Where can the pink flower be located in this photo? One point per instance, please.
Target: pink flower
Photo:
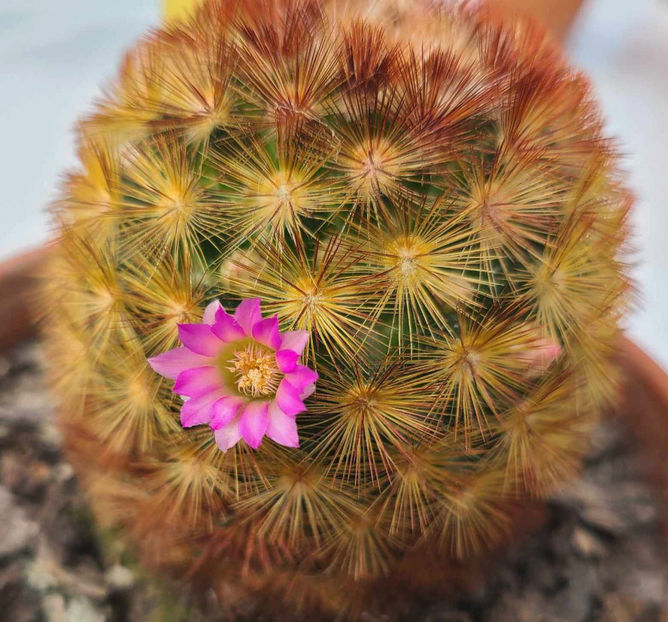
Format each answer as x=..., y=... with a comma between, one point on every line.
x=240, y=375
x=541, y=353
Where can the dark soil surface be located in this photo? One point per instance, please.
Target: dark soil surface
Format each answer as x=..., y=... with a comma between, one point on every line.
x=599, y=557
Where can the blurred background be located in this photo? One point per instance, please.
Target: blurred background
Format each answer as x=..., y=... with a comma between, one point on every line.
x=56, y=55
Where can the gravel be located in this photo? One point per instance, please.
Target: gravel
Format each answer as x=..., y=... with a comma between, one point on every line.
x=599, y=557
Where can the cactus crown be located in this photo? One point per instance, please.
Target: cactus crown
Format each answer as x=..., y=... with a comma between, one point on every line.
x=429, y=194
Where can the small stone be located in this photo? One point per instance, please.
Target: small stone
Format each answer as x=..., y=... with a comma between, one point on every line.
x=47, y=572
x=25, y=403
x=637, y=503
x=605, y=439
x=587, y=544
x=25, y=477
x=647, y=586
x=119, y=578
x=81, y=609
x=11, y=470
x=17, y=601
x=576, y=495
x=604, y=518
x=63, y=472
x=543, y=574
x=50, y=435
x=26, y=356
x=5, y=366
x=40, y=573
x=514, y=608
x=575, y=602
x=53, y=607
x=616, y=607
x=645, y=513
x=448, y=616
x=18, y=531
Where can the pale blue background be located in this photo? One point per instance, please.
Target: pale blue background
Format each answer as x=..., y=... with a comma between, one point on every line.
x=623, y=46
x=54, y=54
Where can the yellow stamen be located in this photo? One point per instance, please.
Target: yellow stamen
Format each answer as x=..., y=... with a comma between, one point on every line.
x=254, y=369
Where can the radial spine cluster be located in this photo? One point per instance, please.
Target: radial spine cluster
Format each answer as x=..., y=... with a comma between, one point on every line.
x=425, y=188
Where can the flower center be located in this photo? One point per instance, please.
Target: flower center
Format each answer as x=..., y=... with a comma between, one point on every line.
x=254, y=370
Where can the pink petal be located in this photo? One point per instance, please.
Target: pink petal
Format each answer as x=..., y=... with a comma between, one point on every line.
x=539, y=357
x=248, y=314
x=197, y=381
x=550, y=352
x=197, y=411
x=254, y=421
x=288, y=400
x=228, y=436
x=308, y=391
x=224, y=410
x=301, y=377
x=282, y=428
x=171, y=363
x=200, y=339
x=226, y=327
x=295, y=340
x=287, y=360
x=209, y=316
x=266, y=332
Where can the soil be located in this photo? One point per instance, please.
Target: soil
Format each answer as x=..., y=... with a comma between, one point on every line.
x=599, y=557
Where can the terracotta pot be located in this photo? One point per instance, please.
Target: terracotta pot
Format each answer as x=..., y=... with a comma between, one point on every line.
x=18, y=296
x=644, y=407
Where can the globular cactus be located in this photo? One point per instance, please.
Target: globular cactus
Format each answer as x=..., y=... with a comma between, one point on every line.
x=423, y=198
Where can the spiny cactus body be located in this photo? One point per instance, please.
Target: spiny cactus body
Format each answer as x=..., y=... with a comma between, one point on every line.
x=426, y=194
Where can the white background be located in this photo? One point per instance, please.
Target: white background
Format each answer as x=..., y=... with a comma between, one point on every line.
x=54, y=55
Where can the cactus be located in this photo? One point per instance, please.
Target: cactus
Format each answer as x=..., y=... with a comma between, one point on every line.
x=424, y=195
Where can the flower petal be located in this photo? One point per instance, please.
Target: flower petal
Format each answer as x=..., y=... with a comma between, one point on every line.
x=200, y=339
x=282, y=428
x=254, y=421
x=248, y=314
x=288, y=400
x=226, y=327
x=197, y=411
x=308, y=391
x=224, y=410
x=228, y=436
x=209, y=316
x=302, y=377
x=547, y=351
x=295, y=340
x=287, y=360
x=266, y=332
x=171, y=363
x=197, y=381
